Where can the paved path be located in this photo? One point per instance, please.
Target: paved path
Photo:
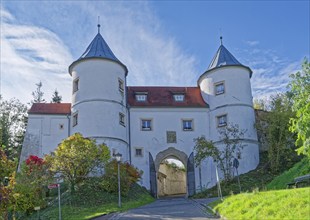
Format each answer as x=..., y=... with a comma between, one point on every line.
x=166, y=209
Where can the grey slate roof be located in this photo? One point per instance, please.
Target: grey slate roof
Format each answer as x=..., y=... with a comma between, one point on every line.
x=224, y=58
x=98, y=48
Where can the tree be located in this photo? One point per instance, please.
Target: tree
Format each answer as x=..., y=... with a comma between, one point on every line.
x=13, y=117
x=56, y=98
x=38, y=94
x=230, y=137
x=300, y=88
x=274, y=126
x=76, y=157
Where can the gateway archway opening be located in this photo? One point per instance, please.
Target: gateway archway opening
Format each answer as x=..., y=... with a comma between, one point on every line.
x=171, y=178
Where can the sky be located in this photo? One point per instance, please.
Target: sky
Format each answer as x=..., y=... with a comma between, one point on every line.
x=162, y=43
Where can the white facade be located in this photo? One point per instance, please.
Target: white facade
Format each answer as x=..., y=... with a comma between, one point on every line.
x=106, y=109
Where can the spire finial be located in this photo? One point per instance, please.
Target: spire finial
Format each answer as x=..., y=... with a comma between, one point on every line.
x=98, y=24
x=221, y=38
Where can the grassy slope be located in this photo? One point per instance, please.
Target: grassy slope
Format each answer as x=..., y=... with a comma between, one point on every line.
x=280, y=204
x=300, y=169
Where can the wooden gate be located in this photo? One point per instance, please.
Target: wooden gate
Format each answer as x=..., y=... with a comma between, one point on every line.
x=153, y=180
x=191, y=188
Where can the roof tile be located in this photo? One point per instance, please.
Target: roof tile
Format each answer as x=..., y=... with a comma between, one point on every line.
x=50, y=108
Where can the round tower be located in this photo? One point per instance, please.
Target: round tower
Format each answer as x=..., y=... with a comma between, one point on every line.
x=226, y=87
x=99, y=97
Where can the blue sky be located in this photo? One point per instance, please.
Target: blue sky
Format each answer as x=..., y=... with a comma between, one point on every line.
x=161, y=42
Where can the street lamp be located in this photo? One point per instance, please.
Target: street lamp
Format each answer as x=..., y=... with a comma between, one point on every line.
x=118, y=157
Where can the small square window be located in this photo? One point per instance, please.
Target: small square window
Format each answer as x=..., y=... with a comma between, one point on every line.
x=138, y=152
x=76, y=85
x=122, y=119
x=219, y=88
x=61, y=126
x=121, y=85
x=146, y=125
x=221, y=120
x=187, y=125
x=178, y=97
x=75, y=119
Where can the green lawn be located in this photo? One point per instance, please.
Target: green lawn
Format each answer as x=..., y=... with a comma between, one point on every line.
x=280, y=204
x=300, y=169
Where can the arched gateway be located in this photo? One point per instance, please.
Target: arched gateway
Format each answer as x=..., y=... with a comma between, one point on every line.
x=172, y=153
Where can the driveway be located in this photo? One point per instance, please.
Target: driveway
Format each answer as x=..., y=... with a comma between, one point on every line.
x=166, y=209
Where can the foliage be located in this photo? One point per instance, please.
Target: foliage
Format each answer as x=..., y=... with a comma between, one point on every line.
x=255, y=179
x=274, y=125
x=56, y=98
x=128, y=176
x=281, y=204
x=300, y=88
x=76, y=157
x=13, y=116
x=230, y=137
x=280, y=182
x=38, y=94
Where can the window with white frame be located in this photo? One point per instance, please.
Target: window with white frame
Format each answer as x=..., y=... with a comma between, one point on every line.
x=121, y=85
x=122, y=119
x=146, y=124
x=76, y=85
x=219, y=88
x=141, y=97
x=221, y=120
x=187, y=124
x=178, y=97
x=138, y=152
x=75, y=119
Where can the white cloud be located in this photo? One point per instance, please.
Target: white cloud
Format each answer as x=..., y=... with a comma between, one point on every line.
x=252, y=43
x=31, y=54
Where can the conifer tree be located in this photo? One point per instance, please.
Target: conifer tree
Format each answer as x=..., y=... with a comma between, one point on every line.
x=56, y=98
x=38, y=94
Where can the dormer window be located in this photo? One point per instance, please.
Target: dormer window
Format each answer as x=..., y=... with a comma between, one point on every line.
x=219, y=88
x=141, y=97
x=178, y=97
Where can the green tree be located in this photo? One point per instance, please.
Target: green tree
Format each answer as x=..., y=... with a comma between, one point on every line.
x=13, y=117
x=300, y=88
x=274, y=126
x=56, y=98
x=38, y=94
x=230, y=146
x=76, y=157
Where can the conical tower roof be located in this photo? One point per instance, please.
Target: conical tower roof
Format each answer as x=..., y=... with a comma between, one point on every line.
x=98, y=48
x=224, y=58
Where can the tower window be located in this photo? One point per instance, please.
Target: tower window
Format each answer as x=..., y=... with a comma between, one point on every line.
x=75, y=85
x=219, y=88
x=187, y=125
x=121, y=85
x=221, y=120
x=146, y=124
x=75, y=119
x=122, y=119
x=178, y=97
x=138, y=152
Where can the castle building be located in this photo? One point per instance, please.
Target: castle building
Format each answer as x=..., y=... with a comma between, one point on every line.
x=149, y=124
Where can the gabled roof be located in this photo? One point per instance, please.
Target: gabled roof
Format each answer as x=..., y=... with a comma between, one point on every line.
x=50, y=108
x=163, y=96
x=98, y=48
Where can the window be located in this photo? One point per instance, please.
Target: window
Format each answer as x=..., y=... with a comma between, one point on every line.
x=75, y=119
x=219, y=88
x=138, y=152
x=75, y=85
x=61, y=126
x=141, y=98
x=187, y=125
x=221, y=120
x=122, y=119
x=121, y=85
x=146, y=124
x=178, y=97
